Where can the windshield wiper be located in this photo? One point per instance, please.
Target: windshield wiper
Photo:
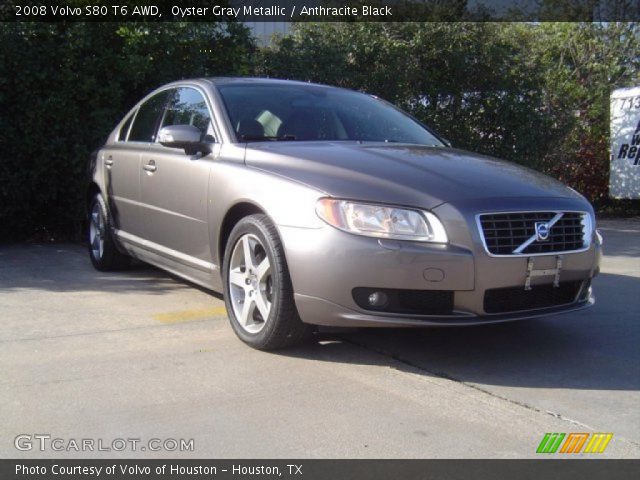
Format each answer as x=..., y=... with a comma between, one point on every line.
x=260, y=138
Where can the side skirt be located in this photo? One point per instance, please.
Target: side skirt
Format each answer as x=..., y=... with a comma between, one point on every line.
x=195, y=270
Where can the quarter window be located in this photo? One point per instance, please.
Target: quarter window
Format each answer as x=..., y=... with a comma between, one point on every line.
x=146, y=121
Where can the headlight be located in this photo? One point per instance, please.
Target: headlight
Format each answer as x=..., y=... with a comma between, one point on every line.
x=381, y=221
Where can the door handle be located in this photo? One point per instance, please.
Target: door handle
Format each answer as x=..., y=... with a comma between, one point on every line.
x=151, y=166
x=108, y=162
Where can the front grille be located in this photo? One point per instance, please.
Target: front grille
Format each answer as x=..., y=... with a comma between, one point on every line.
x=505, y=232
x=415, y=302
x=514, y=299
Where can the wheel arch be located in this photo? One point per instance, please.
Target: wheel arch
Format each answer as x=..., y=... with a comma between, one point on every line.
x=91, y=191
x=236, y=213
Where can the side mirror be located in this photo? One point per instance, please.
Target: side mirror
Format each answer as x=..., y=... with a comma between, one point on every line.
x=187, y=137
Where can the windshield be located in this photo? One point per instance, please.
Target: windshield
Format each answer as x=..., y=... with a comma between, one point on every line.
x=311, y=112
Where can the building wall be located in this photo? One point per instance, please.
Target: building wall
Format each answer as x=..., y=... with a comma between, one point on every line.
x=264, y=31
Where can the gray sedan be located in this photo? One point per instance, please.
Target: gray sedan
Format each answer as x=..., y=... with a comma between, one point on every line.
x=311, y=205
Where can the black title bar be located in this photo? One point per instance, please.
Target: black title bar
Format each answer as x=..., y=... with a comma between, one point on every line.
x=318, y=10
x=319, y=469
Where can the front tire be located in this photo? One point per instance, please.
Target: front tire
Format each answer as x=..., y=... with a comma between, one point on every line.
x=102, y=249
x=257, y=287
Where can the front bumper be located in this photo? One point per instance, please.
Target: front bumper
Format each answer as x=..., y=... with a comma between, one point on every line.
x=322, y=312
x=327, y=264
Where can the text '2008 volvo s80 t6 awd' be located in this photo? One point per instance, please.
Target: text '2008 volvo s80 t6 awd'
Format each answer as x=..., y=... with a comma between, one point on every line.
x=312, y=205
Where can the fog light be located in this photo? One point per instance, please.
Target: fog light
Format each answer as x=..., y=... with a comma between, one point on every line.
x=378, y=299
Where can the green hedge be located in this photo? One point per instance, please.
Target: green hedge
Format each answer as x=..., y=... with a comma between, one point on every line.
x=64, y=86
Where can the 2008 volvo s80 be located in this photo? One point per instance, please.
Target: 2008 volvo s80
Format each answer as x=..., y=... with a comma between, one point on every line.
x=311, y=205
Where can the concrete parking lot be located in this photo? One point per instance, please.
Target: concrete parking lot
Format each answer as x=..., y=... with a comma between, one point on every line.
x=141, y=354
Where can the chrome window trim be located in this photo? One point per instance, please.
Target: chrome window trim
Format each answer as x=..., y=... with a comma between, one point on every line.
x=525, y=255
x=129, y=116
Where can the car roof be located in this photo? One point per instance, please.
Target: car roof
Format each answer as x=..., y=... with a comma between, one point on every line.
x=258, y=81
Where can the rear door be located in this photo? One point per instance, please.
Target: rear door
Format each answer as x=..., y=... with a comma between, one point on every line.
x=174, y=185
x=122, y=162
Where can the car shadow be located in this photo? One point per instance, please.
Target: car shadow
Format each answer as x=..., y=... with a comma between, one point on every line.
x=66, y=268
x=593, y=349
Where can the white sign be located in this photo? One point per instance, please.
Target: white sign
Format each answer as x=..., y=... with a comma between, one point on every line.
x=624, y=179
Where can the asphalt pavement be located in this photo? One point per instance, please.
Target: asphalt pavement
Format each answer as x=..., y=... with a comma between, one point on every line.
x=142, y=355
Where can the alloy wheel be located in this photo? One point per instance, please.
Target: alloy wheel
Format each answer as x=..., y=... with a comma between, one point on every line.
x=96, y=231
x=250, y=283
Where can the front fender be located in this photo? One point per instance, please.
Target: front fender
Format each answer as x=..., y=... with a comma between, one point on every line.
x=286, y=202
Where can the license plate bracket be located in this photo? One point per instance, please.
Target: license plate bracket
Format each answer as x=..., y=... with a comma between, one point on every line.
x=543, y=273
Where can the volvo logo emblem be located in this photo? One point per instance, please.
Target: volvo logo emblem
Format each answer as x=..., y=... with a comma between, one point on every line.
x=542, y=231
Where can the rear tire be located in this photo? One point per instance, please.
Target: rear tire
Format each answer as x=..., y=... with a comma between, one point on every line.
x=257, y=288
x=102, y=249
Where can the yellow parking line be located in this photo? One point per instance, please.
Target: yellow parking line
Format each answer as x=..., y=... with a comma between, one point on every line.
x=189, y=315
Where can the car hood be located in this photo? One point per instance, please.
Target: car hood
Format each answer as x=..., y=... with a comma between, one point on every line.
x=413, y=175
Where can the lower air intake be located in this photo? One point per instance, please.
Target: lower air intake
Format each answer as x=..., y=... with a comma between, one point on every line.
x=515, y=299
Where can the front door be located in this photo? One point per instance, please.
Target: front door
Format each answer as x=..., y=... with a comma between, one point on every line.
x=174, y=186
